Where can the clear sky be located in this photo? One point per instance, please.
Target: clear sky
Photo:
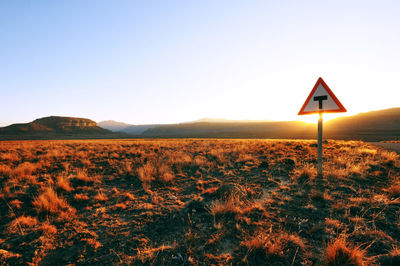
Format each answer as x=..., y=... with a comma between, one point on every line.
x=172, y=61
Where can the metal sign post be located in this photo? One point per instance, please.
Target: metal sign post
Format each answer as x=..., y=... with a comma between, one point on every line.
x=319, y=148
x=321, y=100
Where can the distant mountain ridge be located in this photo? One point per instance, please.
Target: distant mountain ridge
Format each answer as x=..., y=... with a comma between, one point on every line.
x=113, y=125
x=371, y=126
x=124, y=127
x=116, y=126
x=54, y=127
x=139, y=129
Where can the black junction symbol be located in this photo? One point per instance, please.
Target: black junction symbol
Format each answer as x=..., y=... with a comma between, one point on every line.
x=320, y=99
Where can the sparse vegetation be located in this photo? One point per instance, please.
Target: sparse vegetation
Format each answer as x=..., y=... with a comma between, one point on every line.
x=180, y=202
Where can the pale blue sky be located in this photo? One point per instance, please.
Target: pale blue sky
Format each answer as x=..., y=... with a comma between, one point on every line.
x=172, y=61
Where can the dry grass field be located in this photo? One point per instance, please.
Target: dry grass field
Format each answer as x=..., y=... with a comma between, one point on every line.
x=201, y=202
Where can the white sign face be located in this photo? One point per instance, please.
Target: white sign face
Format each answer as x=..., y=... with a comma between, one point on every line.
x=321, y=100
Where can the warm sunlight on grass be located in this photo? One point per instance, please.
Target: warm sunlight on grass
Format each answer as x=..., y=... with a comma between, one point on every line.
x=194, y=201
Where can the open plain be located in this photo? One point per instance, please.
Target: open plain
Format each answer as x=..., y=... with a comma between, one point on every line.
x=198, y=201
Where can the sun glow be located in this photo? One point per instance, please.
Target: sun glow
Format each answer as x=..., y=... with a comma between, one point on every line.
x=313, y=118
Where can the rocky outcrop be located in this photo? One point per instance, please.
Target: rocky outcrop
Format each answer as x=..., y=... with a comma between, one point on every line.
x=54, y=127
x=66, y=123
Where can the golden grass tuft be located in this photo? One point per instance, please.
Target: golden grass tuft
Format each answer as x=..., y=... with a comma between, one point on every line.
x=81, y=197
x=367, y=151
x=393, y=190
x=63, y=183
x=393, y=258
x=100, y=197
x=268, y=246
x=165, y=174
x=147, y=173
x=390, y=157
x=24, y=169
x=339, y=252
x=48, y=229
x=304, y=174
x=148, y=253
x=333, y=223
x=231, y=206
x=5, y=170
x=10, y=157
x=121, y=206
x=16, y=203
x=129, y=196
x=83, y=175
x=22, y=222
x=50, y=202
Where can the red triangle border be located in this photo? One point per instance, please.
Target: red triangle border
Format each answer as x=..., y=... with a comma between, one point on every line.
x=328, y=90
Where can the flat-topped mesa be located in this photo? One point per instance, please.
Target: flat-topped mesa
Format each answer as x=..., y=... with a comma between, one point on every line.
x=55, y=127
x=66, y=123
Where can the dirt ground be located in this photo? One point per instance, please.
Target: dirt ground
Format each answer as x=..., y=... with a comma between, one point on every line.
x=198, y=202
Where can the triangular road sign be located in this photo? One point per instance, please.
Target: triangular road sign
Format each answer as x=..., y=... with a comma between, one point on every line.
x=321, y=100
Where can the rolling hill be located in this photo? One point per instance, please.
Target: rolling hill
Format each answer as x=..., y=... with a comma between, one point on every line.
x=370, y=126
x=291, y=129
